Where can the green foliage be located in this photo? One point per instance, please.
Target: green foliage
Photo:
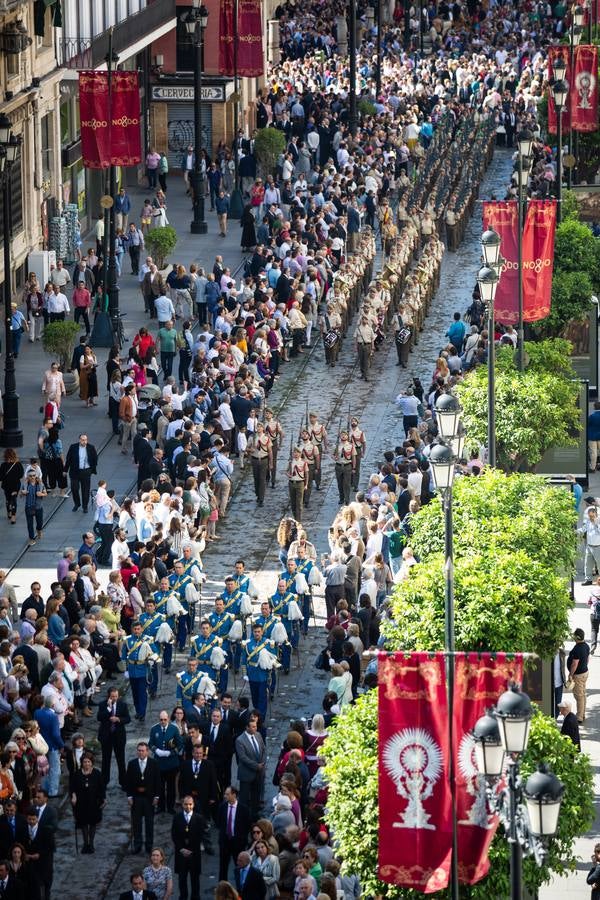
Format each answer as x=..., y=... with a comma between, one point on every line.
x=366, y=108
x=577, y=250
x=352, y=808
x=503, y=512
x=535, y=409
x=268, y=145
x=160, y=243
x=59, y=339
x=570, y=207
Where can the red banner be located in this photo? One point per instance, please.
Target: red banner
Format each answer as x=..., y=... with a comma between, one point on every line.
x=415, y=817
x=250, y=39
x=503, y=217
x=538, y=259
x=125, y=134
x=553, y=54
x=93, y=114
x=584, y=90
x=117, y=144
x=226, y=36
x=478, y=682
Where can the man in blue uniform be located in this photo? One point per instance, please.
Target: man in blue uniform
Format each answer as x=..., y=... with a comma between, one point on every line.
x=136, y=669
x=258, y=677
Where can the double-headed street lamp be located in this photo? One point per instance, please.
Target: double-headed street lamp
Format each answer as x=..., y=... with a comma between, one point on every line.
x=560, y=93
x=443, y=459
x=488, y=278
x=575, y=34
x=195, y=23
x=501, y=737
x=11, y=434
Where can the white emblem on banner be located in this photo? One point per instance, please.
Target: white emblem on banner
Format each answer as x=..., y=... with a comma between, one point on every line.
x=413, y=760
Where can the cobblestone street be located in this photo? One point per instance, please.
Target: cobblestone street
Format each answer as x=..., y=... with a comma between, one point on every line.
x=332, y=395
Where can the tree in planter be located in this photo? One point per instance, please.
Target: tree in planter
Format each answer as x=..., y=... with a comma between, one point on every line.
x=269, y=144
x=160, y=243
x=352, y=805
x=546, y=390
x=59, y=338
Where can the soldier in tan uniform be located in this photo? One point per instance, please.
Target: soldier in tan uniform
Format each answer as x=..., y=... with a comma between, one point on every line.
x=261, y=456
x=275, y=431
x=297, y=474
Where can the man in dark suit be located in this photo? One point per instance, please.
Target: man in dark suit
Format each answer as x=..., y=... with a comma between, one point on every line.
x=113, y=716
x=229, y=714
x=233, y=822
x=251, y=757
x=13, y=828
x=142, y=453
x=248, y=880
x=241, y=716
x=81, y=463
x=47, y=815
x=142, y=782
x=137, y=889
x=30, y=659
x=187, y=832
x=219, y=739
x=198, y=779
x=10, y=887
x=40, y=847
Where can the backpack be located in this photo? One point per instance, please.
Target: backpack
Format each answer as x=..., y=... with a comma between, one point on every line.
x=595, y=608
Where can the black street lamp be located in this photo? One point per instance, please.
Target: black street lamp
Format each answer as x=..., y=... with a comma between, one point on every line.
x=524, y=145
x=196, y=22
x=501, y=738
x=443, y=464
x=560, y=92
x=352, y=63
x=378, y=49
x=11, y=434
x=488, y=278
x=575, y=35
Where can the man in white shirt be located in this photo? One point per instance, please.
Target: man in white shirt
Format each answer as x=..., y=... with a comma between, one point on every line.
x=165, y=310
x=58, y=305
x=59, y=276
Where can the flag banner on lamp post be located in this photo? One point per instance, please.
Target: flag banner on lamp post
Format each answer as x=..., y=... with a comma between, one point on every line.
x=555, y=53
x=125, y=133
x=415, y=814
x=538, y=259
x=226, y=37
x=93, y=115
x=250, y=39
x=117, y=144
x=479, y=680
x=503, y=217
x=584, y=90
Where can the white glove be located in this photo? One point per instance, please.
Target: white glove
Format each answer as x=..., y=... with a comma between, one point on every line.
x=245, y=678
x=162, y=752
x=126, y=675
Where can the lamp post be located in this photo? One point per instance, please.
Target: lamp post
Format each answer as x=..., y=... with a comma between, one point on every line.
x=560, y=92
x=524, y=145
x=488, y=278
x=352, y=63
x=575, y=34
x=196, y=22
x=110, y=246
x=236, y=205
x=378, y=49
x=443, y=461
x=11, y=434
x=501, y=738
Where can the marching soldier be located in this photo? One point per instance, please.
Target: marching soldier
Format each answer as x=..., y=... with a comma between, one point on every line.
x=202, y=647
x=269, y=621
x=188, y=683
x=310, y=453
x=275, y=431
x=331, y=328
x=280, y=604
x=357, y=436
x=364, y=337
x=194, y=569
x=150, y=620
x=305, y=566
x=257, y=670
x=318, y=436
x=183, y=586
x=161, y=598
x=261, y=456
x=297, y=474
x=134, y=653
x=242, y=579
x=345, y=461
x=220, y=622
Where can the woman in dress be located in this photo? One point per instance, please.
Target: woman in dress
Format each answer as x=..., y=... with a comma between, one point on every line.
x=268, y=865
x=11, y=475
x=158, y=877
x=88, y=798
x=88, y=380
x=23, y=871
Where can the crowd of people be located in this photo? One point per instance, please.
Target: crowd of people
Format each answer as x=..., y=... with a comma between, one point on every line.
x=189, y=405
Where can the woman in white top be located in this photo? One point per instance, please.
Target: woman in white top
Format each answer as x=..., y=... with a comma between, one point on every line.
x=341, y=683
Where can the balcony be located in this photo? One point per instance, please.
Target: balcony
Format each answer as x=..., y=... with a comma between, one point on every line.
x=90, y=53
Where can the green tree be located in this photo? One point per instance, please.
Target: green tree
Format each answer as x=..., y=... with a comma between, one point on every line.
x=546, y=390
x=268, y=145
x=352, y=805
x=160, y=243
x=577, y=250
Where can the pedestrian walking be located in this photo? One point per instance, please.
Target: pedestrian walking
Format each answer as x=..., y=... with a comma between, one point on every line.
x=88, y=799
x=577, y=668
x=34, y=492
x=11, y=476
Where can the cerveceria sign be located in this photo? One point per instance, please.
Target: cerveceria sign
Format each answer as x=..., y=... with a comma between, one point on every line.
x=180, y=92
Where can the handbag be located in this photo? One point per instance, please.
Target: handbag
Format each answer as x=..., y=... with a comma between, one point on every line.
x=321, y=661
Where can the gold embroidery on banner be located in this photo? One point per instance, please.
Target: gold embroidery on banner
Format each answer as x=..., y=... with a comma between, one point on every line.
x=417, y=876
x=392, y=676
x=467, y=676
